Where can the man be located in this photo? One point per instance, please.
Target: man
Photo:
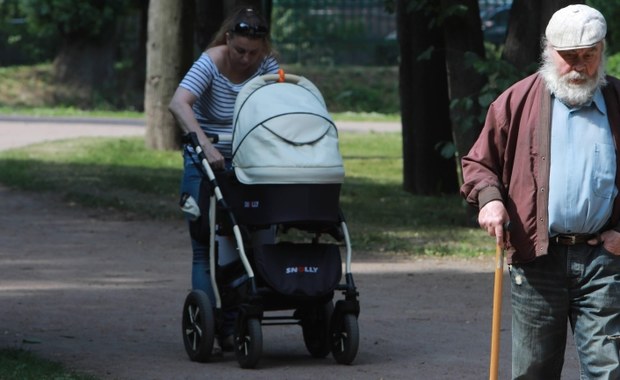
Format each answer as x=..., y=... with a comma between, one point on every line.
x=546, y=162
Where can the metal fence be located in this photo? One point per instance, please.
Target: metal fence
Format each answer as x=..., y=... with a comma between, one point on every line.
x=334, y=32
x=360, y=32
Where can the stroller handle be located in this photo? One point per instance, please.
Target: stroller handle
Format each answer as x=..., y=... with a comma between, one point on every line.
x=281, y=77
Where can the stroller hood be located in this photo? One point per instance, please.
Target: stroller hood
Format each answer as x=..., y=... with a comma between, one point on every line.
x=282, y=133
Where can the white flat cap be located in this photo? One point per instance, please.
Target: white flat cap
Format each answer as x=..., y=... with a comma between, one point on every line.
x=576, y=26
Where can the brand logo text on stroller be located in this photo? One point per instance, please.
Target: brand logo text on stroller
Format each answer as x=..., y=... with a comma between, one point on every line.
x=293, y=270
x=251, y=204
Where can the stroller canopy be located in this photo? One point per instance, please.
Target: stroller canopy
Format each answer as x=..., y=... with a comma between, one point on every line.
x=282, y=134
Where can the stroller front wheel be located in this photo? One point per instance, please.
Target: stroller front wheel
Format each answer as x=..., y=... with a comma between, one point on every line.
x=345, y=338
x=249, y=343
x=315, y=328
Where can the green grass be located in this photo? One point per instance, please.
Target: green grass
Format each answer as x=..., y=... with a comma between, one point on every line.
x=41, y=111
x=16, y=364
x=122, y=175
x=78, y=113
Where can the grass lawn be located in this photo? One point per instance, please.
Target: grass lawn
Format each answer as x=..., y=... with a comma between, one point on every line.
x=18, y=364
x=384, y=220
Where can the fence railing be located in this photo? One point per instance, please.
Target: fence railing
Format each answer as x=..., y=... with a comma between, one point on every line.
x=360, y=32
x=334, y=31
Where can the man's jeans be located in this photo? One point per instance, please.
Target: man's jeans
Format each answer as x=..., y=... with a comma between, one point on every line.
x=579, y=284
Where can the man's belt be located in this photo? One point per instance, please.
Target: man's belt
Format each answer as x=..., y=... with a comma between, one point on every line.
x=572, y=239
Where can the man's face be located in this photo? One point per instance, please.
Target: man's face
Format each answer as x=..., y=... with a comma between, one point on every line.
x=573, y=76
x=585, y=62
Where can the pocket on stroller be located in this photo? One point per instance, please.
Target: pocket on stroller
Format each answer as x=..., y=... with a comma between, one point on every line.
x=307, y=270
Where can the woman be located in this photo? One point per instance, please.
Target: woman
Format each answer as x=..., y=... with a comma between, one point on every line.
x=204, y=103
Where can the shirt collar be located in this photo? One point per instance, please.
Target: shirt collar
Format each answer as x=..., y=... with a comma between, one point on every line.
x=599, y=101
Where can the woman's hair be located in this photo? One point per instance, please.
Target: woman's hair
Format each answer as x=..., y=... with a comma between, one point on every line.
x=246, y=22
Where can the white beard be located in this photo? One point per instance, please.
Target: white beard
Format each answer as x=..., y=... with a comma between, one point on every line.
x=572, y=94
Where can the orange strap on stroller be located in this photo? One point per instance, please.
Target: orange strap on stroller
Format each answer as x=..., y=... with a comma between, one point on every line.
x=281, y=74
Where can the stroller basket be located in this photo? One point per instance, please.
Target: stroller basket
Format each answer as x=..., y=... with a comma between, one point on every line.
x=302, y=270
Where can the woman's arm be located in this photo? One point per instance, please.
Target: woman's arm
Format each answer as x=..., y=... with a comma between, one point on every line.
x=181, y=108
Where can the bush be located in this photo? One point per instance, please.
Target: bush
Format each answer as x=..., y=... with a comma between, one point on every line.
x=354, y=88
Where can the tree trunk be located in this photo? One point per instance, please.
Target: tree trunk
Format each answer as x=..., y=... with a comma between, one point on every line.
x=463, y=35
x=169, y=56
x=424, y=103
x=528, y=21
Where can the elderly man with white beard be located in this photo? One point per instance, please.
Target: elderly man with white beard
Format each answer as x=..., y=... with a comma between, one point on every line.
x=546, y=164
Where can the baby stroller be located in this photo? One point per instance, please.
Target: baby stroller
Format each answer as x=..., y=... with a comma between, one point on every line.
x=286, y=177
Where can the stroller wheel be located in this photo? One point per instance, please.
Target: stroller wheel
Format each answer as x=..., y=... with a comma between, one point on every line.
x=345, y=338
x=315, y=327
x=198, y=326
x=249, y=343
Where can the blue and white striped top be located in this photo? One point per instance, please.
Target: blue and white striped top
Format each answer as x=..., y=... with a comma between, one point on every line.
x=216, y=96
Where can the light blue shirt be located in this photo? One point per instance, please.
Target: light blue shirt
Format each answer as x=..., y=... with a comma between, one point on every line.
x=583, y=168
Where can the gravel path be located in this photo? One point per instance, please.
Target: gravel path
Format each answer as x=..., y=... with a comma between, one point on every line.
x=104, y=295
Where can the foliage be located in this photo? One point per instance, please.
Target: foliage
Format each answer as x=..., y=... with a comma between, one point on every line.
x=611, y=10
x=499, y=73
x=613, y=65
x=355, y=88
x=74, y=20
x=18, y=43
x=121, y=175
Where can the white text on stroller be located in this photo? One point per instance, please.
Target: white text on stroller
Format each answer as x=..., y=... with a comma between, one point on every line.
x=291, y=270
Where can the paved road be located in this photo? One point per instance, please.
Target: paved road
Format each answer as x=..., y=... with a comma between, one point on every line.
x=18, y=131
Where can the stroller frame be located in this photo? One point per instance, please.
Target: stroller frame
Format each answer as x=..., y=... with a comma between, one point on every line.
x=326, y=327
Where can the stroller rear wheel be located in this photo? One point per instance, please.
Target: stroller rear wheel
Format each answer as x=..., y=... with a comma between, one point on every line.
x=315, y=327
x=345, y=338
x=249, y=343
x=198, y=326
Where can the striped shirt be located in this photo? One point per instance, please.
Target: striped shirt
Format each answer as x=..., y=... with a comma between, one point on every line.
x=216, y=96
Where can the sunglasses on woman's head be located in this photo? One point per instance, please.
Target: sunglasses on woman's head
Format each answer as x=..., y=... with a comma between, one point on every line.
x=247, y=30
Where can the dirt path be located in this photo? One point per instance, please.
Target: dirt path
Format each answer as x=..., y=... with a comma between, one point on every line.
x=104, y=295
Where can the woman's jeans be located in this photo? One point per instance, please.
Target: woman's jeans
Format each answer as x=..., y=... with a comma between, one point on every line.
x=579, y=284
x=201, y=272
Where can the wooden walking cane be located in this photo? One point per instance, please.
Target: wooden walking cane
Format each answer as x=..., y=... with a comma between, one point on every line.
x=497, y=305
x=497, y=311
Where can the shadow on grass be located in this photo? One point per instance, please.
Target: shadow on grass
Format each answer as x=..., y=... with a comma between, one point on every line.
x=383, y=219
x=145, y=192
